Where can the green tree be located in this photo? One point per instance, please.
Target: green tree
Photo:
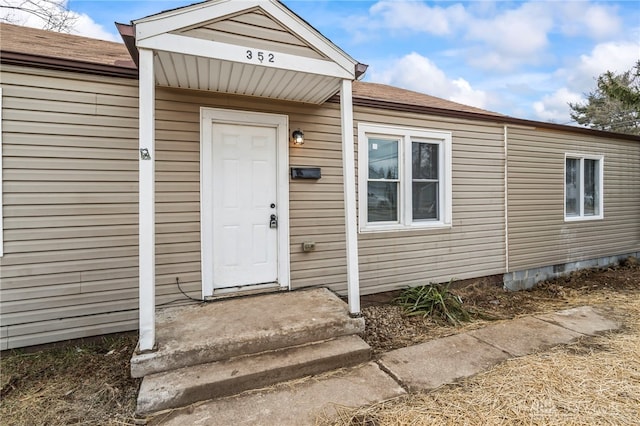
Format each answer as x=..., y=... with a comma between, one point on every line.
x=614, y=105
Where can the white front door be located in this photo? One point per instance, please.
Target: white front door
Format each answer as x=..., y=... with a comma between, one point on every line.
x=244, y=199
x=244, y=182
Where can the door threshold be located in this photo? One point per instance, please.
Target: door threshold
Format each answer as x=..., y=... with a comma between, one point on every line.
x=246, y=290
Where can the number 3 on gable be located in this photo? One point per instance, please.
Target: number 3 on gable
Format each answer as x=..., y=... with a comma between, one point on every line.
x=260, y=56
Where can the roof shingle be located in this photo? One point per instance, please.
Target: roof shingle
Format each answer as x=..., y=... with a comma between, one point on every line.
x=50, y=44
x=32, y=41
x=382, y=92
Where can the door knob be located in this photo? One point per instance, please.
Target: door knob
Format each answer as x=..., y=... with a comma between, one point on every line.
x=273, y=222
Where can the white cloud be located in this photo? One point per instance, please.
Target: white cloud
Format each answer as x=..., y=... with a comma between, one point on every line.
x=600, y=22
x=415, y=72
x=419, y=17
x=87, y=27
x=82, y=24
x=494, y=61
x=520, y=32
x=555, y=107
x=499, y=36
x=463, y=93
x=611, y=56
x=579, y=77
x=594, y=21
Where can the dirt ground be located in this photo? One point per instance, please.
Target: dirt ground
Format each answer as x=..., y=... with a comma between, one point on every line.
x=388, y=328
x=88, y=382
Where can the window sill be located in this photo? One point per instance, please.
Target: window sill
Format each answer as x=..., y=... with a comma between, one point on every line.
x=582, y=218
x=398, y=227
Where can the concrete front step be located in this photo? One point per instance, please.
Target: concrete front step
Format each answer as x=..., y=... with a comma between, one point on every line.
x=203, y=382
x=204, y=333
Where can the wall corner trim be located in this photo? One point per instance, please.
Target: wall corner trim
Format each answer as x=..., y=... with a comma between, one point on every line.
x=349, y=183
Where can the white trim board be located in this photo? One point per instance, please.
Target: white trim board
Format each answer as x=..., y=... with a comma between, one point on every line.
x=146, y=201
x=208, y=116
x=349, y=178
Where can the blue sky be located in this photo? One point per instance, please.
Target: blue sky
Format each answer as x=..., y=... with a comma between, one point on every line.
x=522, y=58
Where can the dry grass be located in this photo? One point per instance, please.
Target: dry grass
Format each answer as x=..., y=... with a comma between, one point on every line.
x=595, y=381
x=84, y=383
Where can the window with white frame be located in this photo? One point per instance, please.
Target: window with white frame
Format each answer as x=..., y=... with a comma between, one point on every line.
x=583, y=187
x=404, y=177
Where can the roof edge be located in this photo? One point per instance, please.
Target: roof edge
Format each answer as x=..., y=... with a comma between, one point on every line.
x=499, y=119
x=128, y=34
x=46, y=62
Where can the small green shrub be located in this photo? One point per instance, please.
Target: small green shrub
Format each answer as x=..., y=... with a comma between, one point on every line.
x=435, y=301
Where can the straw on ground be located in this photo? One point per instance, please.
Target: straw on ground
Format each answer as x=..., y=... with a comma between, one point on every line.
x=593, y=381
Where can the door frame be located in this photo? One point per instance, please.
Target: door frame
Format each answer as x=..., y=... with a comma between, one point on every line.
x=209, y=116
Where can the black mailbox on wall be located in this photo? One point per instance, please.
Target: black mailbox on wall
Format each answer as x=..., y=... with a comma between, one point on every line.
x=305, y=173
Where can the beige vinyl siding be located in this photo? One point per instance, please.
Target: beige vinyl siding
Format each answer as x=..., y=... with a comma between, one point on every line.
x=538, y=234
x=316, y=207
x=70, y=206
x=475, y=245
x=253, y=29
x=70, y=162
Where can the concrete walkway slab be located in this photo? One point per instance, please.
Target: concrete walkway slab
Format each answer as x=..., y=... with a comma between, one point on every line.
x=584, y=319
x=297, y=403
x=523, y=336
x=429, y=365
x=424, y=366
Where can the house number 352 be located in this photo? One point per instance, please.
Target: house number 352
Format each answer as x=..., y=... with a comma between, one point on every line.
x=261, y=56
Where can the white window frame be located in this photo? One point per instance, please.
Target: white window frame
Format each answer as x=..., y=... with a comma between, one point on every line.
x=405, y=135
x=581, y=158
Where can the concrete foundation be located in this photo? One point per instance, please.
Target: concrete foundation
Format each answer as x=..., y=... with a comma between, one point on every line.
x=526, y=279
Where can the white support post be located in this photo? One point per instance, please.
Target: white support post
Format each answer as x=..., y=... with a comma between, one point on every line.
x=349, y=177
x=146, y=197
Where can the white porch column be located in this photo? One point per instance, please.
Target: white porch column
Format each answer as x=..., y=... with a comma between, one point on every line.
x=146, y=197
x=349, y=177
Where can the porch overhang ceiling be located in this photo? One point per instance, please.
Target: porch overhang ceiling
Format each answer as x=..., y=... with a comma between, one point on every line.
x=254, y=48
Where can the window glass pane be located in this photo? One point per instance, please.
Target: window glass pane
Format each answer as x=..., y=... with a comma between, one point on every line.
x=572, y=187
x=382, y=201
x=591, y=187
x=424, y=160
x=425, y=200
x=383, y=159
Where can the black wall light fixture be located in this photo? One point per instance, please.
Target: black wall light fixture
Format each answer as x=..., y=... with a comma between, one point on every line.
x=297, y=137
